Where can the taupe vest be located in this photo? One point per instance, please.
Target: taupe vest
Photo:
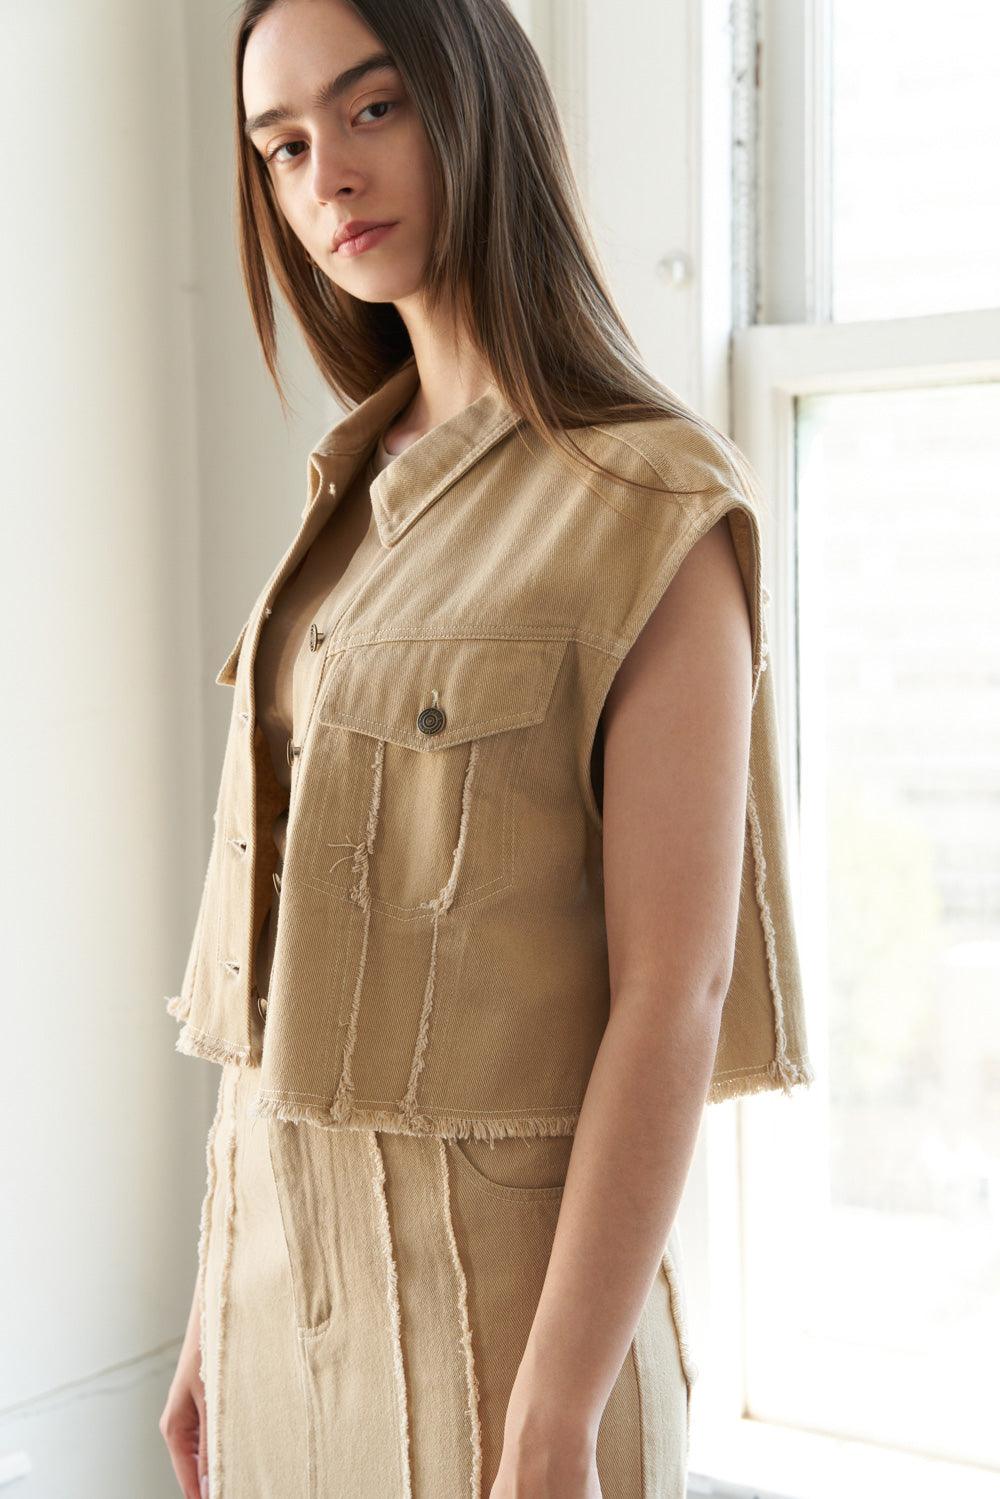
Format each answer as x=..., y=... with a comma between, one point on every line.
x=440, y=956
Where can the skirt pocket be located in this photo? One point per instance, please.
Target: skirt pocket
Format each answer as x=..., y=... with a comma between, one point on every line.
x=330, y=1187
x=514, y=1167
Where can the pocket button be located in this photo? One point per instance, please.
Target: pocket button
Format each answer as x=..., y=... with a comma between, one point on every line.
x=431, y=720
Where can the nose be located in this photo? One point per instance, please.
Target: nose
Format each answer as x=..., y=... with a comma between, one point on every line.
x=333, y=172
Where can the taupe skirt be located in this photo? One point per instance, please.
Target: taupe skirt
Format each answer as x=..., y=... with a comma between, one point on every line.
x=366, y=1299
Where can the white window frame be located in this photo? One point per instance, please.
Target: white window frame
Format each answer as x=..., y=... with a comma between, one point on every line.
x=792, y=350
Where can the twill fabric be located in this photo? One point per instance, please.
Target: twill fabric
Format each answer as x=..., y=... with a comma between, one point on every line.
x=366, y=1297
x=440, y=959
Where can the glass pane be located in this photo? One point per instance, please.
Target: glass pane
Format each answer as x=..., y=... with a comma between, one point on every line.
x=916, y=186
x=873, y=1252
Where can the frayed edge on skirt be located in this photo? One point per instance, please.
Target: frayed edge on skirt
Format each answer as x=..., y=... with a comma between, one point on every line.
x=472, y=1383
x=392, y=1288
x=678, y=1311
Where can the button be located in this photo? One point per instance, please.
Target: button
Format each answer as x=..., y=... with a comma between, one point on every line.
x=276, y=880
x=261, y=1003
x=431, y=720
x=291, y=750
x=315, y=636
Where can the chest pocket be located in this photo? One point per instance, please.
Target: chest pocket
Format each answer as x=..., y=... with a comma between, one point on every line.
x=416, y=768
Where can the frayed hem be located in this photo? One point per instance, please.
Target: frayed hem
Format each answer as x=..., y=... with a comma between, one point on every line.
x=178, y=1006
x=678, y=1310
x=195, y=1043
x=398, y=1123
x=779, y=1076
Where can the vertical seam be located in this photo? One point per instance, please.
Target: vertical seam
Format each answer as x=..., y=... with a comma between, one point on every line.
x=361, y=895
x=392, y=1279
x=472, y=1385
x=204, y=1227
x=643, y=1455
x=441, y=902
x=408, y=1102
x=781, y=1066
x=215, y=1481
x=678, y=1312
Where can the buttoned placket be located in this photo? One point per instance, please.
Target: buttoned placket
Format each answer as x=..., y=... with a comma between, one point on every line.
x=391, y=526
x=293, y=750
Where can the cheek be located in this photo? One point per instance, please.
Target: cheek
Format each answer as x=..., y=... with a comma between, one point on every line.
x=413, y=169
x=295, y=211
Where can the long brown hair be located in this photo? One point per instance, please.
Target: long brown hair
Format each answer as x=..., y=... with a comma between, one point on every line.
x=536, y=303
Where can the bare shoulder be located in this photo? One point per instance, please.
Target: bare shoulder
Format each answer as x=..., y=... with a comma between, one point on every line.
x=701, y=624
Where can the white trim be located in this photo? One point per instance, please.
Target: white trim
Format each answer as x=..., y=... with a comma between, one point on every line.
x=755, y=1460
x=774, y=365
x=795, y=144
x=745, y=275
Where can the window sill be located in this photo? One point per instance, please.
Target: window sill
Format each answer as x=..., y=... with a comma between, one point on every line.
x=754, y=1460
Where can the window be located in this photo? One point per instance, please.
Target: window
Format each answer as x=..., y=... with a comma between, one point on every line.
x=866, y=392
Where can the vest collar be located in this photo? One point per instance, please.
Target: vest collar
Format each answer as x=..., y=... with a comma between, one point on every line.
x=421, y=473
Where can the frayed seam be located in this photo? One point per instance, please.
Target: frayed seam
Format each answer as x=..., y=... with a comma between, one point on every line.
x=472, y=1384
x=678, y=1311
x=360, y=892
x=361, y=895
x=345, y=1087
x=441, y=902
x=392, y=1287
x=355, y=847
x=408, y=1103
x=760, y=889
x=205, y=1224
x=215, y=1475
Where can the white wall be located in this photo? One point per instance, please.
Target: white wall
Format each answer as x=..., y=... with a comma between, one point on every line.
x=149, y=483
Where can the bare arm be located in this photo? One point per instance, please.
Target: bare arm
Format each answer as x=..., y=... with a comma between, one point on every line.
x=182, y=1423
x=677, y=744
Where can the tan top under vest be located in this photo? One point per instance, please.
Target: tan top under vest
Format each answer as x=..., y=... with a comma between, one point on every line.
x=439, y=960
x=339, y=554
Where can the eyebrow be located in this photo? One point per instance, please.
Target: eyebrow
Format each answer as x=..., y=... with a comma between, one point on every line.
x=327, y=94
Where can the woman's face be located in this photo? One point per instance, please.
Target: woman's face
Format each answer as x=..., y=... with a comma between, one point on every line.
x=339, y=148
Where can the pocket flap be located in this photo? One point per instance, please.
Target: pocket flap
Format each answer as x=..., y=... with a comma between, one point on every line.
x=483, y=687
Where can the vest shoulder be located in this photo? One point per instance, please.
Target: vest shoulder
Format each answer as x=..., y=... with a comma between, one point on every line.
x=694, y=462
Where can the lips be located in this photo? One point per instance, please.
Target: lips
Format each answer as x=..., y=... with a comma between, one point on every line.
x=357, y=233
x=366, y=240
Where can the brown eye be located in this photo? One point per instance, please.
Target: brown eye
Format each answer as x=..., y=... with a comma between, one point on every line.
x=273, y=156
x=378, y=104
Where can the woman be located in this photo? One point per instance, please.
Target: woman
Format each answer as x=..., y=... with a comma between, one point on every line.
x=497, y=895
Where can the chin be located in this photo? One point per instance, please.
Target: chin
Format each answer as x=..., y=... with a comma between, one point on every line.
x=379, y=288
